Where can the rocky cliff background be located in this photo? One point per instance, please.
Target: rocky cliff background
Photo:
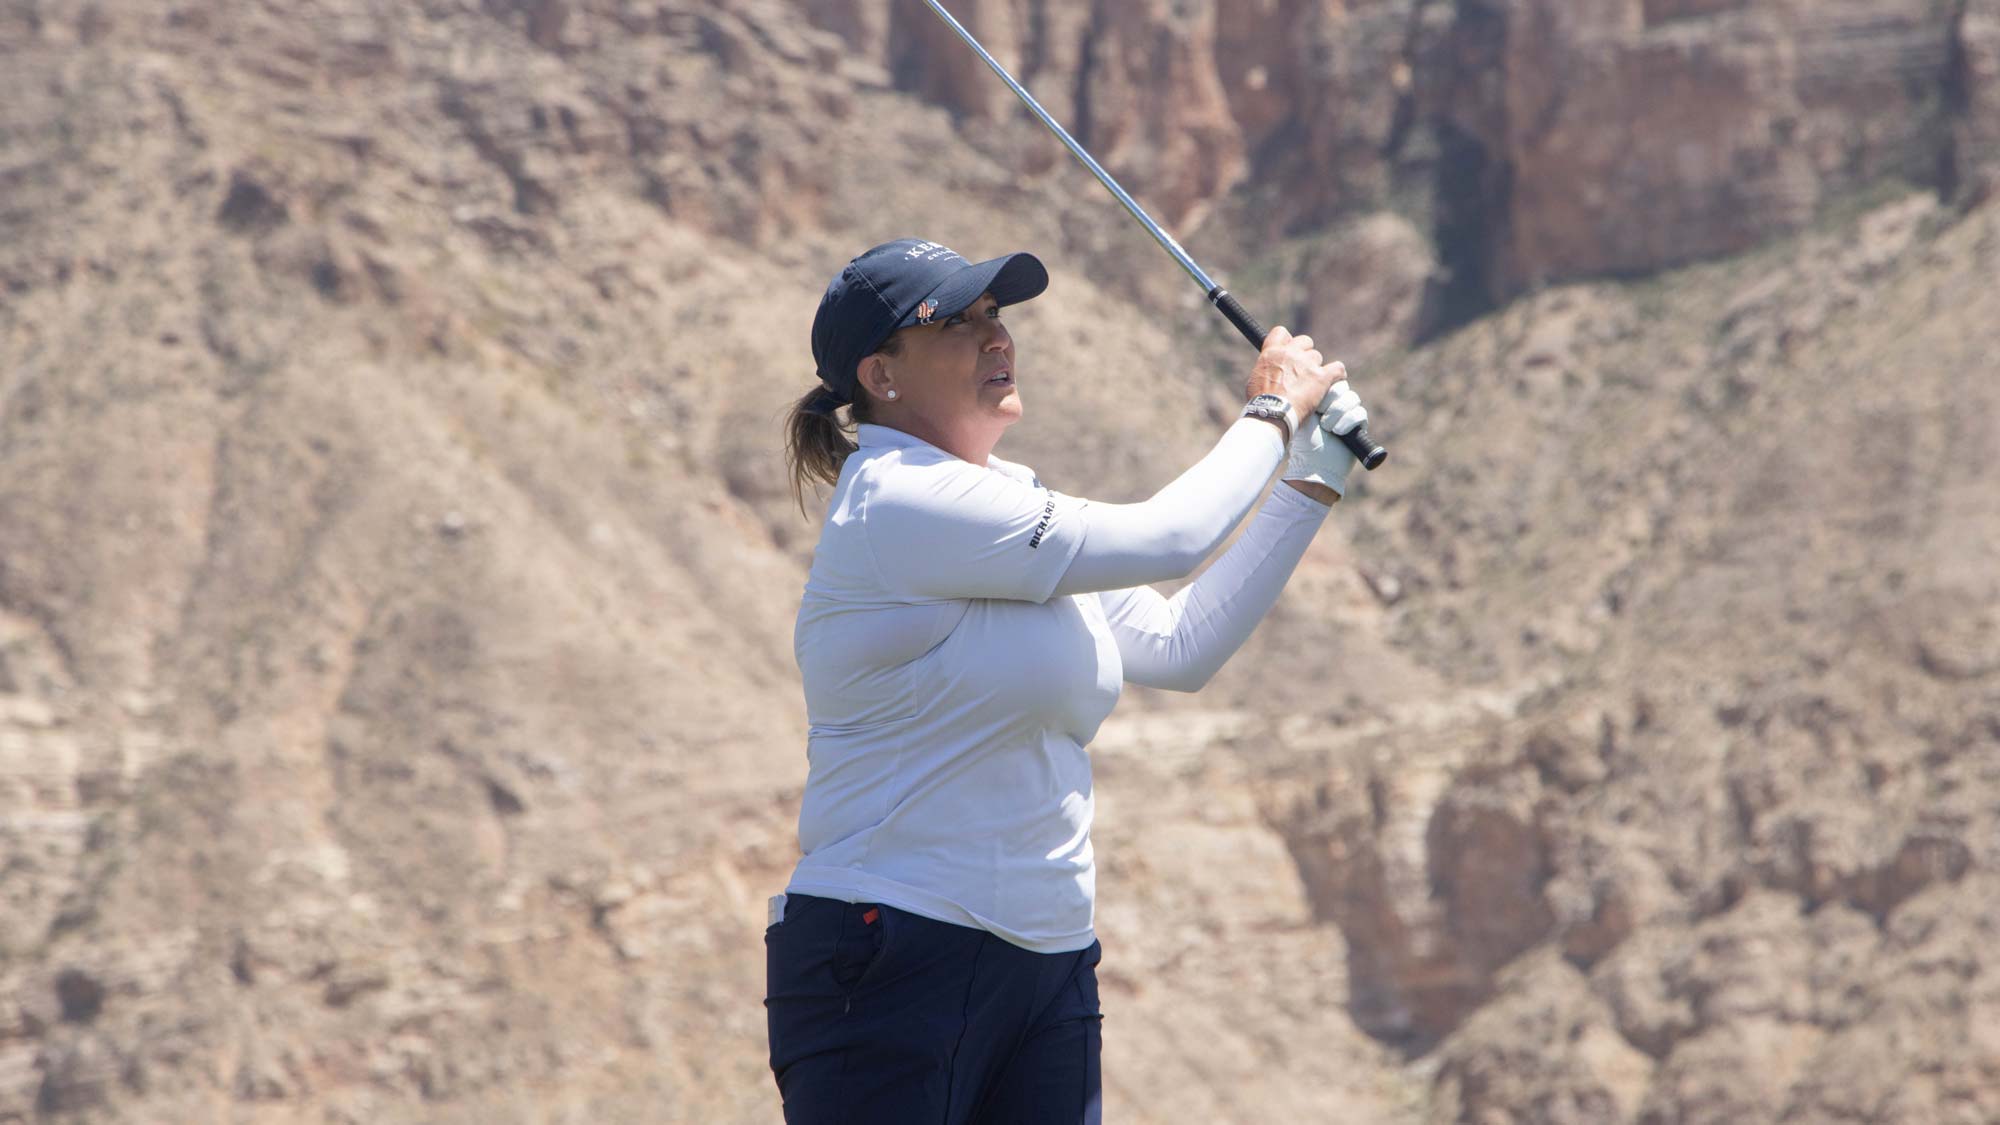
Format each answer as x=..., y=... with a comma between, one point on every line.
x=397, y=714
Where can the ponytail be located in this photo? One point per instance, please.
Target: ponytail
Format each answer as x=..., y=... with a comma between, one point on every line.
x=816, y=443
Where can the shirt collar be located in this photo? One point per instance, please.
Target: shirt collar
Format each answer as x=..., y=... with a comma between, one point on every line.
x=870, y=435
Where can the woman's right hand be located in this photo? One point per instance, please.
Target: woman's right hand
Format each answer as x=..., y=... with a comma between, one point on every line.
x=1289, y=366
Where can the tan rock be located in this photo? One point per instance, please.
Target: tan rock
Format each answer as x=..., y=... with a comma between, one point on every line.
x=1366, y=287
x=1579, y=1071
x=1690, y=169
x=1734, y=120
x=1154, y=108
x=1973, y=93
x=929, y=59
x=1738, y=1070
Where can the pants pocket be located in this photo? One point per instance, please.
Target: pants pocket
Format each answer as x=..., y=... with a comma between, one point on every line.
x=858, y=950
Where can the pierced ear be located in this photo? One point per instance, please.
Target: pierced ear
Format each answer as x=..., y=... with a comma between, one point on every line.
x=874, y=374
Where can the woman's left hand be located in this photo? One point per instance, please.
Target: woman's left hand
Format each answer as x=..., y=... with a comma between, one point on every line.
x=1318, y=462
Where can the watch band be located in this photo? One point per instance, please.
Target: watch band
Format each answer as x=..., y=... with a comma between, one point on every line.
x=1275, y=408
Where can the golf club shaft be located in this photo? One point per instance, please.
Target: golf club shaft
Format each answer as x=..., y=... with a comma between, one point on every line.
x=1357, y=439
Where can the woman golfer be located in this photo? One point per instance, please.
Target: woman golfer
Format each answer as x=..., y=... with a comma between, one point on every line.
x=964, y=631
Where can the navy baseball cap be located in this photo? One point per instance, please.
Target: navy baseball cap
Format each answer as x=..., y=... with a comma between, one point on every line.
x=901, y=283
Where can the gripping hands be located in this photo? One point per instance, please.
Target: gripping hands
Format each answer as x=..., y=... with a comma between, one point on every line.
x=1316, y=457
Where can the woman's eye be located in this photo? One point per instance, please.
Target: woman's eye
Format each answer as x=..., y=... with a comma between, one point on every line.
x=956, y=319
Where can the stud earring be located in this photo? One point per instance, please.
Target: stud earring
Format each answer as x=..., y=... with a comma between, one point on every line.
x=892, y=394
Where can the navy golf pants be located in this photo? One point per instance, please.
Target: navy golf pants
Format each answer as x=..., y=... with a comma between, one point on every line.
x=884, y=1017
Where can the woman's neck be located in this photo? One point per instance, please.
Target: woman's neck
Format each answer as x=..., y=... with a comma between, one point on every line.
x=962, y=444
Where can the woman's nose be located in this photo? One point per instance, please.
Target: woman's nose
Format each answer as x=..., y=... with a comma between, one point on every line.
x=996, y=337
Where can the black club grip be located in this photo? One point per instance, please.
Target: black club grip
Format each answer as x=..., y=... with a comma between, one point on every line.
x=1363, y=447
x=1239, y=316
x=1356, y=440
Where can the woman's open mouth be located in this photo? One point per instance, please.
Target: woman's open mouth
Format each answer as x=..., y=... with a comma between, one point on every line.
x=1001, y=378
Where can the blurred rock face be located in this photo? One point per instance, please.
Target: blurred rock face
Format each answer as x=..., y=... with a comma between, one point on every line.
x=1972, y=94
x=397, y=719
x=1546, y=140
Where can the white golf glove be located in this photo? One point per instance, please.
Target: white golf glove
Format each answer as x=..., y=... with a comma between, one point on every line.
x=1316, y=453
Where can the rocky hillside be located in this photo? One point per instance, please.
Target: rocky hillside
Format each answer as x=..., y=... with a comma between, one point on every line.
x=397, y=713
x=1527, y=142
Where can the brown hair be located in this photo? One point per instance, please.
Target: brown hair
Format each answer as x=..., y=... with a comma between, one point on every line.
x=816, y=442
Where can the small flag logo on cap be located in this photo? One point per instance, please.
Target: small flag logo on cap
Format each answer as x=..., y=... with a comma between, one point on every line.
x=926, y=311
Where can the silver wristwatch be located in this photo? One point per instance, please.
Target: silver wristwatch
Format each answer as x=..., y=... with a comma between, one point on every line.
x=1277, y=409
